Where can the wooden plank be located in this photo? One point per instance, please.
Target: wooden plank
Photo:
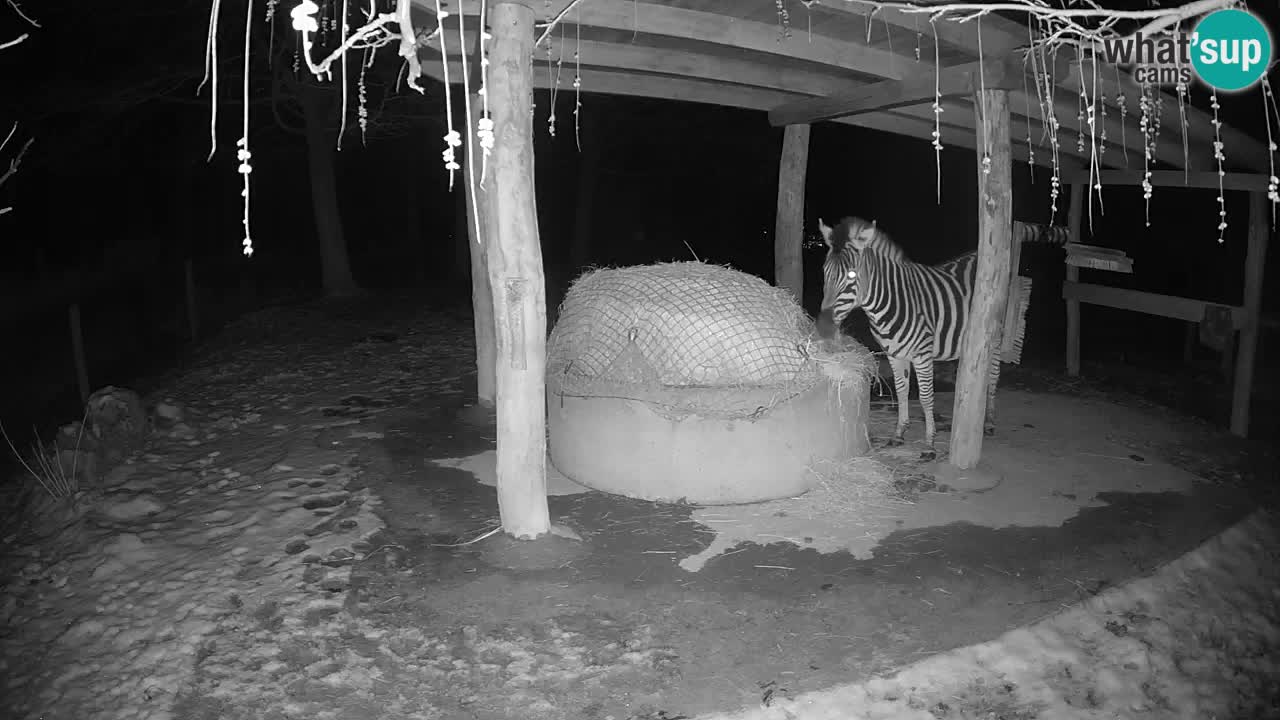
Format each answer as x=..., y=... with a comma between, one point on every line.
x=1175, y=178
x=702, y=91
x=1239, y=147
x=1074, y=217
x=1124, y=142
x=958, y=126
x=991, y=288
x=77, y=351
x=697, y=28
x=640, y=58
x=1246, y=356
x=516, y=279
x=788, y=234
x=999, y=36
x=193, y=313
x=921, y=87
x=1170, y=306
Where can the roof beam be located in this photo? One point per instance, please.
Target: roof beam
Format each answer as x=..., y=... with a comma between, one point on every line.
x=1249, y=152
x=959, y=123
x=704, y=27
x=715, y=93
x=739, y=71
x=999, y=35
x=1253, y=182
x=923, y=86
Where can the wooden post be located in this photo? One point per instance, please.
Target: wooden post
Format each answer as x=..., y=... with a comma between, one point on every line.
x=580, y=250
x=516, y=277
x=481, y=294
x=1074, y=216
x=193, y=316
x=1228, y=356
x=77, y=352
x=991, y=289
x=788, y=232
x=1254, y=263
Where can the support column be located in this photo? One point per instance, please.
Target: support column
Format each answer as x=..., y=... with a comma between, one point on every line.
x=991, y=289
x=1074, y=216
x=1254, y=263
x=516, y=278
x=477, y=238
x=788, y=233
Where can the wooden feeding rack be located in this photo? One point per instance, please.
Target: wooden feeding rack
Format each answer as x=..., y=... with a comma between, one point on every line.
x=1098, y=258
x=1244, y=319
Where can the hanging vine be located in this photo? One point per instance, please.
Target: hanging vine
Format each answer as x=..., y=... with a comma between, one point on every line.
x=1049, y=29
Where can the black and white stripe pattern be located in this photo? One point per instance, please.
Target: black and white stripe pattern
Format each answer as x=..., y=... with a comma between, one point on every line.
x=917, y=312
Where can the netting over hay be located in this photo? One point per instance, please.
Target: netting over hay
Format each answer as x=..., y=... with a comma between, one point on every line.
x=689, y=337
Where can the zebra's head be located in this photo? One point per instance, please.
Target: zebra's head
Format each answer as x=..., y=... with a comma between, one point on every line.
x=845, y=243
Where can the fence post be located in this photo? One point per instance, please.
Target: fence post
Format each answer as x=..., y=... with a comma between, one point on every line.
x=77, y=350
x=193, y=317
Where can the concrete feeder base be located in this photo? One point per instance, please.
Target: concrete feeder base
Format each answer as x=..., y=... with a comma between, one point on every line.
x=625, y=447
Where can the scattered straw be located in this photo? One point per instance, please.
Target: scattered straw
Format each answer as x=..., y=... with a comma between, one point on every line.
x=49, y=471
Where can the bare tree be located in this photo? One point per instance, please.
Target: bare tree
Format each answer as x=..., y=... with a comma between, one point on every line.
x=16, y=161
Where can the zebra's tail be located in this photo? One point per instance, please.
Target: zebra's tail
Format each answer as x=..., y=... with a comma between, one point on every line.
x=1041, y=234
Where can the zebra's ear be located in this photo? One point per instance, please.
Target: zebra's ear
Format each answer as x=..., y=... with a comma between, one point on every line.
x=825, y=229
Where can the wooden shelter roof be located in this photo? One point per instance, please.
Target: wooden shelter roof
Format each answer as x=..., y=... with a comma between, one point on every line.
x=737, y=53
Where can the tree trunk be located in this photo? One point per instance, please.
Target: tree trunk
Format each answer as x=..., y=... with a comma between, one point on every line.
x=588, y=178
x=991, y=287
x=418, y=245
x=477, y=240
x=463, y=225
x=516, y=278
x=334, y=264
x=788, y=232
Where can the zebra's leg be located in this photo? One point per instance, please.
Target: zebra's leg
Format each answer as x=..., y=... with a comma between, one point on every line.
x=923, y=365
x=993, y=377
x=902, y=384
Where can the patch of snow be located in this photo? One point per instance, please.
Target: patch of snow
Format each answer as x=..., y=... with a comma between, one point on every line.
x=1194, y=640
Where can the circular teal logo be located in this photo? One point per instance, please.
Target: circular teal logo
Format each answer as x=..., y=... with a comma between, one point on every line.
x=1231, y=49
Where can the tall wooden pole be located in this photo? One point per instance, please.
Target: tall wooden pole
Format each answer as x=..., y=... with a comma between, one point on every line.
x=1254, y=263
x=788, y=233
x=516, y=278
x=1074, y=215
x=477, y=239
x=991, y=289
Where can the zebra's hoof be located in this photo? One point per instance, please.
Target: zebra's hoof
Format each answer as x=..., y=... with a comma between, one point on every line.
x=929, y=455
x=893, y=442
x=989, y=431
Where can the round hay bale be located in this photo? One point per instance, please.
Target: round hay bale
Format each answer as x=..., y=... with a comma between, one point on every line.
x=686, y=381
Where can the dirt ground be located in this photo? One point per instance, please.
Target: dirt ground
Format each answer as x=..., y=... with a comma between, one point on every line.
x=619, y=629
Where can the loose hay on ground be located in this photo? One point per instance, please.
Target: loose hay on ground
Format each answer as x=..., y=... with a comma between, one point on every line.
x=849, y=499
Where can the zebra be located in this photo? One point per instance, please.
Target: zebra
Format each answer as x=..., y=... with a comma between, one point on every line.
x=917, y=312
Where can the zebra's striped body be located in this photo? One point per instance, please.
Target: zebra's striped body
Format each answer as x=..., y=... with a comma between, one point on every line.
x=917, y=312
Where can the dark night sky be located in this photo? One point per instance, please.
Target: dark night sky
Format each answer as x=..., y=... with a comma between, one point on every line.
x=119, y=163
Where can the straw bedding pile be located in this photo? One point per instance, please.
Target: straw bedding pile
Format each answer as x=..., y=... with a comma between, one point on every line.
x=690, y=338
